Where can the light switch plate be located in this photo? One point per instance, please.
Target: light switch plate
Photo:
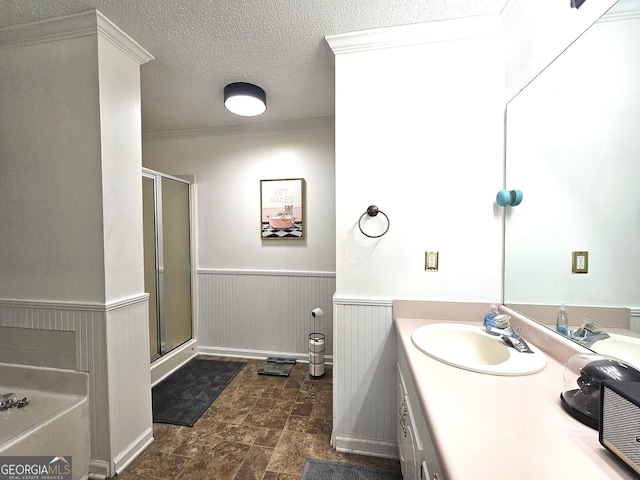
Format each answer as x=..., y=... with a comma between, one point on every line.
x=431, y=261
x=580, y=262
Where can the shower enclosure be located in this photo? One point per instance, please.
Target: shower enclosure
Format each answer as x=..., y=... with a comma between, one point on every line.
x=167, y=260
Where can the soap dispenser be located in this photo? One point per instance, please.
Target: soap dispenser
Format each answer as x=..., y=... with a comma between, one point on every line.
x=490, y=315
x=562, y=321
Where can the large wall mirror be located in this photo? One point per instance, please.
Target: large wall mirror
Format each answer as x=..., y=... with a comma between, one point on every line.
x=573, y=149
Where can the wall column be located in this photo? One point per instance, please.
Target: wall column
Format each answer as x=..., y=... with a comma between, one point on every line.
x=71, y=255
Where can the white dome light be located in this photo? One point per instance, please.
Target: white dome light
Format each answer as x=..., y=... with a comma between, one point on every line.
x=245, y=99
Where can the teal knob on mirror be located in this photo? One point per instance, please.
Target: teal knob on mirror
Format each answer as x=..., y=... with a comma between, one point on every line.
x=516, y=198
x=505, y=198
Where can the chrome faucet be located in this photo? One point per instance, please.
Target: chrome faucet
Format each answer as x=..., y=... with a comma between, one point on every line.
x=501, y=332
x=500, y=327
x=590, y=338
x=588, y=333
x=10, y=400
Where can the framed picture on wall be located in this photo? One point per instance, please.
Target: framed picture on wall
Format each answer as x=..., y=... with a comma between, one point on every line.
x=282, y=208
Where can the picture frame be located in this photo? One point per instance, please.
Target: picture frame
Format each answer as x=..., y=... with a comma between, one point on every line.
x=282, y=209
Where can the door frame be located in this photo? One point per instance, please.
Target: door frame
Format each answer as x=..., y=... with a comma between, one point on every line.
x=164, y=365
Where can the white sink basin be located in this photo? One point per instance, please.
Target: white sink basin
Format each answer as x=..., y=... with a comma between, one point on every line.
x=471, y=348
x=622, y=347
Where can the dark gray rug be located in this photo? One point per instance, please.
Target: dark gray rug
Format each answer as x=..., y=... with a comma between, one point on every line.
x=315, y=469
x=185, y=395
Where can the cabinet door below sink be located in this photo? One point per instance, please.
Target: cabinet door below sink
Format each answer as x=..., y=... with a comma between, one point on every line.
x=406, y=442
x=409, y=444
x=417, y=450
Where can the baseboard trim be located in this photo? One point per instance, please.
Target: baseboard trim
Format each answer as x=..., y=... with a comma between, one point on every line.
x=257, y=354
x=165, y=366
x=136, y=448
x=99, y=469
x=362, y=446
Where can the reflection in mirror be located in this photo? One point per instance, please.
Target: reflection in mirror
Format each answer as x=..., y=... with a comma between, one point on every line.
x=573, y=148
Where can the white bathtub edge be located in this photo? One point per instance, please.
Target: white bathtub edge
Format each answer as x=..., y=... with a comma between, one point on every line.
x=73, y=421
x=55, y=380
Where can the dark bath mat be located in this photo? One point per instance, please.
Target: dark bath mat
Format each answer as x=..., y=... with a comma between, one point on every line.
x=185, y=395
x=323, y=469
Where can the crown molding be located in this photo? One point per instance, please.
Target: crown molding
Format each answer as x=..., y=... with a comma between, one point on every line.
x=128, y=45
x=415, y=34
x=264, y=127
x=63, y=28
x=88, y=23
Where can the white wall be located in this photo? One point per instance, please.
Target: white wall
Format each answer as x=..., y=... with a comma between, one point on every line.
x=71, y=210
x=50, y=181
x=254, y=296
x=127, y=325
x=229, y=167
x=419, y=133
x=121, y=149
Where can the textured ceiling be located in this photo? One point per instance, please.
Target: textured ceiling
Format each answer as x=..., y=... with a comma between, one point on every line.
x=201, y=45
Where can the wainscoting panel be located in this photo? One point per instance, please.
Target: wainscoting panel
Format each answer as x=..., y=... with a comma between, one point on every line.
x=87, y=321
x=52, y=317
x=364, y=377
x=128, y=360
x=262, y=313
x=89, y=324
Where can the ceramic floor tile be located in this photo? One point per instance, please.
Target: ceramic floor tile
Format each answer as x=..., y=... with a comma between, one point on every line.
x=287, y=394
x=170, y=467
x=219, y=463
x=323, y=408
x=320, y=426
x=255, y=463
x=260, y=428
x=145, y=465
x=243, y=433
x=290, y=453
x=268, y=437
x=279, y=476
x=167, y=437
x=302, y=409
x=297, y=424
x=232, y=409
x=270, y=413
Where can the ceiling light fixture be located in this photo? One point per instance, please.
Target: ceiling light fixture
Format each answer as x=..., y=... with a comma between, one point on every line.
x=245, y=99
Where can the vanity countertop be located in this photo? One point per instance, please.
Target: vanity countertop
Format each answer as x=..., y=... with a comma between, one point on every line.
x=496, y=427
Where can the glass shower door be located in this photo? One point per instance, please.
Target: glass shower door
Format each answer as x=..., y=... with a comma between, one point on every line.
x=175, y=268
x=167, y=243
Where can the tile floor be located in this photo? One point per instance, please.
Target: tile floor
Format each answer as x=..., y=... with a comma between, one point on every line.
x=259, y=428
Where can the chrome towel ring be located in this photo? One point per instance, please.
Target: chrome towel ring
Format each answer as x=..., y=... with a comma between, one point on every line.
x=372, y=211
